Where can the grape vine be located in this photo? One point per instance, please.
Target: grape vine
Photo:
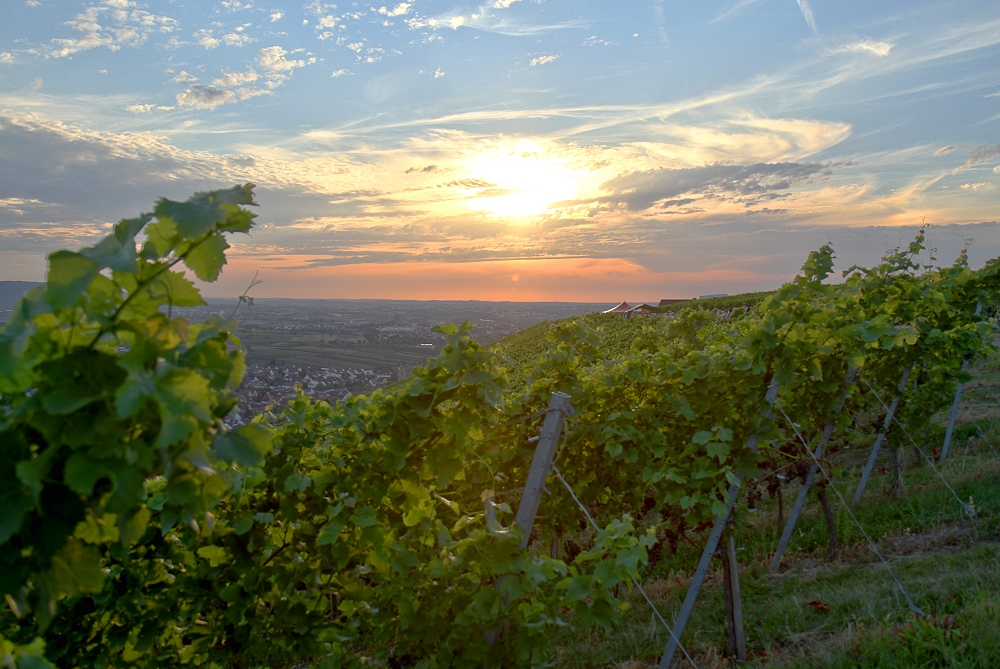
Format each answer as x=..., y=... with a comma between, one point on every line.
x=139, y=532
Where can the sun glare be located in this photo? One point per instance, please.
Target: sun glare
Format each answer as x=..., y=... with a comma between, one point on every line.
x=520, y=181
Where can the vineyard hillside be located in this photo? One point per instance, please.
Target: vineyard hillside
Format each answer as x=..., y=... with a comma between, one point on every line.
x=618, y=334
x=558, y=499
x=726, y=302
x=522, y=349
x=844, y=611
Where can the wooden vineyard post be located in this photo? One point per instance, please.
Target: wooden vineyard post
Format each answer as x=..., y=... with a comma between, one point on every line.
x=958, y=400
x=796, y=511
x=737, y=646
x=698, y=579
x=890, y=412
x=541, y=463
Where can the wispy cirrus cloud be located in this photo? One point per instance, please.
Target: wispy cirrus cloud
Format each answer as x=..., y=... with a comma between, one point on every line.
x=878, y=48
x=983, y=153
x=733, y=9
x=489, y=21
x=145, y=108
x=661, y=23
x=807, y=14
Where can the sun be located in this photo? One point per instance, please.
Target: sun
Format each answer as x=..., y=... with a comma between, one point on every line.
x=520, y=180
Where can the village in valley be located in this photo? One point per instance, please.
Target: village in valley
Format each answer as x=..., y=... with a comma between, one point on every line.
x=328, y=349
x=267, y=388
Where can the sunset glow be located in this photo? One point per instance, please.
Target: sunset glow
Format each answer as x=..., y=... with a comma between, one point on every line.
x=437, y=150
x=521, y=183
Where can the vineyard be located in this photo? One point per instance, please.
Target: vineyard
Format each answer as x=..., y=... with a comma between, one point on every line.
x=500, y=504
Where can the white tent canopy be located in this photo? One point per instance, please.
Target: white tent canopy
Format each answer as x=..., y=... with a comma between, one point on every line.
x=622, y=308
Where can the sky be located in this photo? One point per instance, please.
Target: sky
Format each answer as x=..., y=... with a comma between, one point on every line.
x=562, y=150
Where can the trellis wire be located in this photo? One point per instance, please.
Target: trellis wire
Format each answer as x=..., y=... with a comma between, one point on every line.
x=887, y=423
x=534, y=484
x=565, y=438
x=555, y=458
x=983, y=436
x=639, y=587
x=800, y=500
x=953, y=416
x=519, y=419
x=969, y=511
x=871, y=544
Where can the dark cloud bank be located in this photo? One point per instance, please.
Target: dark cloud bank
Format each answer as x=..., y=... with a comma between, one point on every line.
x=641, y=190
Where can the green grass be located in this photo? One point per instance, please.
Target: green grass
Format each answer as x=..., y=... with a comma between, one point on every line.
x=855, y=613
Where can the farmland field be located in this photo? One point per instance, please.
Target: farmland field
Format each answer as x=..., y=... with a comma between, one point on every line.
x=309, y=350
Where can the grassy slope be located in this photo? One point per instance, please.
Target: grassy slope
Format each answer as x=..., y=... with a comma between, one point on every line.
x=846, y=612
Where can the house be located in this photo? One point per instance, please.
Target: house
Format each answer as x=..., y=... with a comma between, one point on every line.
x=644, y=309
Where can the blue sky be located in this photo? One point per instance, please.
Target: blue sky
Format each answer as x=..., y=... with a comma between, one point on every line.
x=515, y=149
